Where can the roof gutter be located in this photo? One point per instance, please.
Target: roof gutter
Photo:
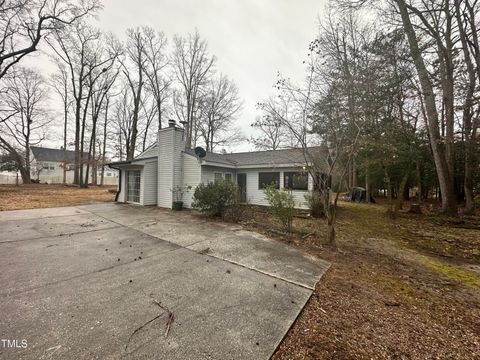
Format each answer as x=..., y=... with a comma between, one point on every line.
x=113, y=164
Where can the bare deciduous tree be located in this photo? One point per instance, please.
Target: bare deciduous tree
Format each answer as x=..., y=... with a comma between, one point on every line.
x=218, y=108
x=134, y=66
x=23, y=23
x=123, y=115
x=60, y=82
x=272, y=135
x=87, y=55
x=158, y=82
x=26, y=96
x=442, y=146
x=192, y=64
x=101, y=88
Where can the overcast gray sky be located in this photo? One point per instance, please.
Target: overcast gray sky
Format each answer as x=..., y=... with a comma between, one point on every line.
x=252, y=39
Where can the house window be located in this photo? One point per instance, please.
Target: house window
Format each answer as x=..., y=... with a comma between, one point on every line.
x=109, y=174
x=52, y=166
x=133, y=186
x=228, y=176
x=267, y=178
x=295, y=180
x=217, y=176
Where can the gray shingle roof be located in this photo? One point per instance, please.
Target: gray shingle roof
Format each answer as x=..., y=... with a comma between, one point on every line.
x=54, y=155
x=252, y=158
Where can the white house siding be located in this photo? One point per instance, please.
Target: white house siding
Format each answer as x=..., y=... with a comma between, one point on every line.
x=149, y=183
x=179, y=147
x=55, y=175
x=108, y=180
x=208, y=173
x=165, y=167
x=170, y=153
x=191, y=177
x=256, y=196
x=51, y=176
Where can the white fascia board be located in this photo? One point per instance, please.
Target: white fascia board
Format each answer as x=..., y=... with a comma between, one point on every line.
x=256, y=166
x=270, y=166
x=211, y=163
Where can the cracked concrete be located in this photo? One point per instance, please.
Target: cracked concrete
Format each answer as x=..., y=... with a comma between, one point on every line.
x=76, y=282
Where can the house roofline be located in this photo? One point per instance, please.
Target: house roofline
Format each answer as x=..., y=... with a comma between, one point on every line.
x=283, y=165
x=132, y=162
x=218, y=164
x=117, y=163
x=147, y=149
x=252, y=166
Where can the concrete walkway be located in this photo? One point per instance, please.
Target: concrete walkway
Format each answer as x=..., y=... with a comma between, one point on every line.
x=79, y=282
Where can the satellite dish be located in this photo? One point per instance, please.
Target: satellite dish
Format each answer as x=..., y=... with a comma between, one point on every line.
x=200, y=152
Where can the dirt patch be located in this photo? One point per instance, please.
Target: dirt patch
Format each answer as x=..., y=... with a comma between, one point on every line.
x=397, y=289
x=34, y=196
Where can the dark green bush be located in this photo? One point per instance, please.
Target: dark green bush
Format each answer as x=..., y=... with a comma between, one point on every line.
x=215, y=198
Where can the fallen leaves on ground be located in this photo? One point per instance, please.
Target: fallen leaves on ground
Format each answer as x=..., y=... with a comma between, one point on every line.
x=397, y=289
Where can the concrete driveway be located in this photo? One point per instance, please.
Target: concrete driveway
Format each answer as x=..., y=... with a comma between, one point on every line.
x=109, y=281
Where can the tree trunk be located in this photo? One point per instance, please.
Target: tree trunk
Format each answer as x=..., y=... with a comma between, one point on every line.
x=331, y=233
x=367, y=185
x=468, y=180
x=65, y=114
x=354, y=173
x=91, y=149
x=25, y=175
x=419, y=182
x=401, y=189
x=137, y=96
x=77, y=165
x=390, y=205
x=350, y=177
x=104, y=142
x=469, y=132
x=27, y=179
x=82, y=139
x=159, y=109
x=445, y=179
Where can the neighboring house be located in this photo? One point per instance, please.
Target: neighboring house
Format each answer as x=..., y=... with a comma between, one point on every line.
x=47, y=166
x=149, y=178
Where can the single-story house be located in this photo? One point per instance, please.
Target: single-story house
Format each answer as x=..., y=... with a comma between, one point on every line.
x=47, y=164
x=150, y=177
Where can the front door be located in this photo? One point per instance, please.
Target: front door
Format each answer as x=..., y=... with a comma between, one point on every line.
x=133, y=186
x=242, y=185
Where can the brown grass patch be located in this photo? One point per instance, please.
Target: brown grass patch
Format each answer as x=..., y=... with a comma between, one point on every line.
x=34, y=196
